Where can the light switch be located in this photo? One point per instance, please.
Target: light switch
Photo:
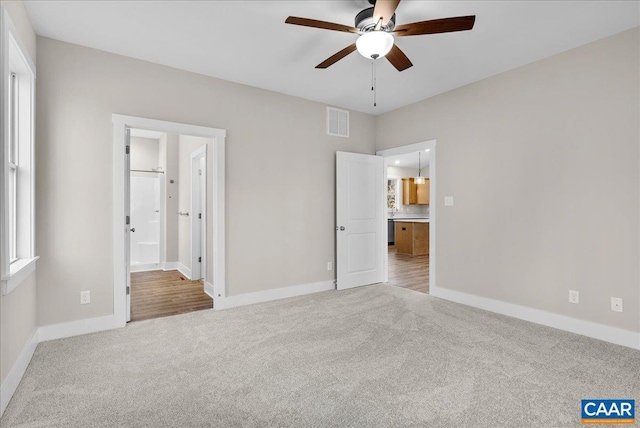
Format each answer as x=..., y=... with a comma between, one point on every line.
x=448, y=201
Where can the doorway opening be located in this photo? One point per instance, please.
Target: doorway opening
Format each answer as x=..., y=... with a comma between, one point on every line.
x=168, y=224
x=410, y=215
x=168, y=218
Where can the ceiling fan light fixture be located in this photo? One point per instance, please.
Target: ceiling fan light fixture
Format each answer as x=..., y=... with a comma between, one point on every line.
x=374, y=44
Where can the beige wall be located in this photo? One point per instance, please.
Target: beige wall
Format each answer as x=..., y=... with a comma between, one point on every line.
x=145, y=153
x=21, y=20
x=543, y=163
x=169, y=163
x=168, y=145
x=280, y=221
x=18, y=315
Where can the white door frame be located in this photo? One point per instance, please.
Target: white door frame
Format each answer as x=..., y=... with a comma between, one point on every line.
x=120, y=230
x=198, y=206
x=412, y=148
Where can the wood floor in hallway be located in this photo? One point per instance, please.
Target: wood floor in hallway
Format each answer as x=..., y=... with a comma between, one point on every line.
x=409, y=271
x=157, y=294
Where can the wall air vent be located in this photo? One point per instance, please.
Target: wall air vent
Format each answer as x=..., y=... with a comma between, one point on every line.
x=337, y=122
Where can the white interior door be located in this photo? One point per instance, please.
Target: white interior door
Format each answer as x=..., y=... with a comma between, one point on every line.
x=360, y=223
x=198, y=171
x=127, y=211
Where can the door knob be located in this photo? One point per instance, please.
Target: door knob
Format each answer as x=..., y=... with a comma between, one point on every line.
x=341, y=227
x=133, y=229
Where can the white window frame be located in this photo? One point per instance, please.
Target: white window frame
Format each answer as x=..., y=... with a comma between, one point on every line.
x=17, y=122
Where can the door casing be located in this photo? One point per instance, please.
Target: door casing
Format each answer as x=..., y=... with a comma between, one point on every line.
x=120, y=229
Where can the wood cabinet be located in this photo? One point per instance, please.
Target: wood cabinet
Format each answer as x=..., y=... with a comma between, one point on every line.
x=415, y=194
x=412, y=238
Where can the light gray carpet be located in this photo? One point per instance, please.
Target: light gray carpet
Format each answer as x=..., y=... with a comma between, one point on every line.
x=368, y=357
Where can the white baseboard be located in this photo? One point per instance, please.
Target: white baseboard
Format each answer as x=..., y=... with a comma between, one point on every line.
x=170, y=266
x=208, y=288
x=146, y=268
x=14, y=377
x=177, y=266
x=273, y=294
x=602, y=332
x=76, y=328
x=184, y=270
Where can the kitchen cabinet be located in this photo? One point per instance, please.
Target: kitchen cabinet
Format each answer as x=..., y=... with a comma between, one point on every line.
x=412, y=238
x=415, y=194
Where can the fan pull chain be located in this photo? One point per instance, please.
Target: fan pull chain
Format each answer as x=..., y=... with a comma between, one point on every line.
x=372, y=70
x=374, y=84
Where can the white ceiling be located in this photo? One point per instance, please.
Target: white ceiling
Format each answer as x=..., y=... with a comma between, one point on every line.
x=409, y=160
x=248, y=41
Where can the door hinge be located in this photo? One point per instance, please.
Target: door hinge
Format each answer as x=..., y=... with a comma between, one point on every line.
x=126, y=220
x=200, y=215
x=128, y=290
x=199, y=259
x=199, y=172
x=127, y=150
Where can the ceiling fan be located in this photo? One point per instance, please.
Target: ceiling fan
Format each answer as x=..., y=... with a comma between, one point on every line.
x=376, y=27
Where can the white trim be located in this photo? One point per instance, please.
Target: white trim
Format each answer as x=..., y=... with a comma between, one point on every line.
x=170, y=266
x=167, y=266
x=19, y=271
x=147, y=267
x=184, y=270
x=120, y=124
x=10, y=40
x=14, y=377
x=412, y=148
x=602, y=332
x=77, y=328
x=272, y=294
x=208, y=288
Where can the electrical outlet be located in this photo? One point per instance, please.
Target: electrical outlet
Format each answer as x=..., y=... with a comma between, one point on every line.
x=574, y=296
x=616, y=304
x=329, y=265
x=448, y=201
x=85, y=297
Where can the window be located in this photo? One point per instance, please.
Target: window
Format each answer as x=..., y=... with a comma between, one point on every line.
x=392, y=194
x=13, y=165
x=17, y=180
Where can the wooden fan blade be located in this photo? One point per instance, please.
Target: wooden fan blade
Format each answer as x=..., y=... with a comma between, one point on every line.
x=306, y=22
x=337, y=57
x=434, y=26
x=384, y=9
x=398, y=59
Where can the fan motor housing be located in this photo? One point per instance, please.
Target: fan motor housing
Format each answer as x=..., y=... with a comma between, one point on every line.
x=364, y=21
